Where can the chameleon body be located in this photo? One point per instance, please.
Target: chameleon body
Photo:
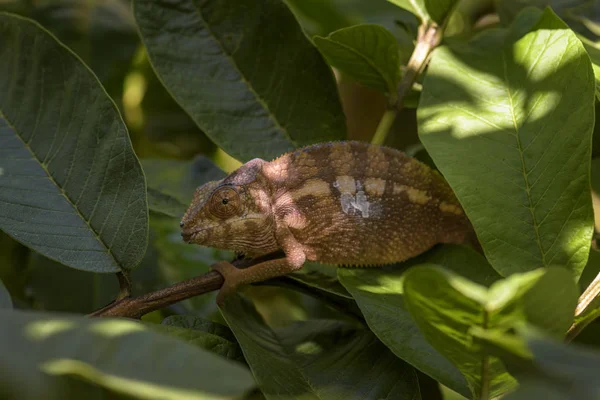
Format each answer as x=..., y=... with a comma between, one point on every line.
x=344, y=203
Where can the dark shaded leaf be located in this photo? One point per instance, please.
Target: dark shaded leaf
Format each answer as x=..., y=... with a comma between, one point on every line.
x=233, y=66
x=5, y=300
x=369, y=54
x=436, y=10
x=318, y=359
x=49, y=356
x=89, y=207
x=198, y=331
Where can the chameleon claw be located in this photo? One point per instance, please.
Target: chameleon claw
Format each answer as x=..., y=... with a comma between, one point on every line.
x=230, y=275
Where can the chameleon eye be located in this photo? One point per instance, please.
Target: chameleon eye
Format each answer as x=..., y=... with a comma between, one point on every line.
x=225, y=203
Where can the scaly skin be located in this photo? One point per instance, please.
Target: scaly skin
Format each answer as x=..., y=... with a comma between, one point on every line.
x=344, y=203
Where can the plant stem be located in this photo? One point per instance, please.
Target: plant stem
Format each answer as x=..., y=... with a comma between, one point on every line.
x=586, y=299
x=429, y=36
x=384, y=126
x=485, y=366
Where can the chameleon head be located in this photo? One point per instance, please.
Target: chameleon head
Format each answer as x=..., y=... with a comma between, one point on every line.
x=232, y=214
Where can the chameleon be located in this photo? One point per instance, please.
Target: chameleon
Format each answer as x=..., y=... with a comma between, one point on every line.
x=344, y=203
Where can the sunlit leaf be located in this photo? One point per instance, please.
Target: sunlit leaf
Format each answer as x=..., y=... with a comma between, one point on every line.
x=508, y=121
x=71, y=186
x=448, y=307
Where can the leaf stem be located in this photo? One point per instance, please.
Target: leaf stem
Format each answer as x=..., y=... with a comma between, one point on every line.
x=586, y=299
x=124, y=284
x=387, y=120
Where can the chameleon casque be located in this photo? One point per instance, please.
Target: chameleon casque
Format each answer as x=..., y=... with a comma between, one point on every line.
x=343, y=203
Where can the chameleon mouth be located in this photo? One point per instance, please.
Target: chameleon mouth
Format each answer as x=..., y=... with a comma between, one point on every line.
x=194, y=236
x=188, y=236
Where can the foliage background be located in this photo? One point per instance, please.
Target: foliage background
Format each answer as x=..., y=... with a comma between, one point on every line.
x=297, y=345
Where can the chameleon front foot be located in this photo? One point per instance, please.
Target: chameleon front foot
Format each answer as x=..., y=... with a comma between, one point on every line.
x=231, y=275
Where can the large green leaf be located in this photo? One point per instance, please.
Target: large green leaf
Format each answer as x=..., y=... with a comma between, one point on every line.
x=244, y=71
x=436, y=10
x=49, y=356
x=509, y=125
x=380, y=296
x=318, y=359
x=5, y=300
x=368, y=54
x=71, y=186
x=103, y=33
x=448, y=307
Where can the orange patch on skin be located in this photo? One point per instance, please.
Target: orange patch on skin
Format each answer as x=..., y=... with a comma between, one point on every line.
x=375, y=186
x=341, y=158
x=414, y=195
x=377, y=165
x=314, y=187
x=345, y=184
x=450, y=208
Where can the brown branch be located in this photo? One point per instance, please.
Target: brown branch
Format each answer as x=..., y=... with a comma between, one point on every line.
x=136, y=307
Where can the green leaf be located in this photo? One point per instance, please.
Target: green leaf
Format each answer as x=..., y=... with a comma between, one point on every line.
x=436, y=10
x=71, y=186
x=52, y=356
x=233, y=65
x=512, y=121
x=448, y=307
x=380, y=296
x=200, y=332
x=318, y=359
x=102, y=33
x=547, y=369
x=581, y=15
x=171, y=183
x=5, y=300
x=368, y=54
